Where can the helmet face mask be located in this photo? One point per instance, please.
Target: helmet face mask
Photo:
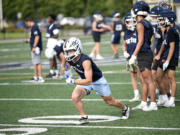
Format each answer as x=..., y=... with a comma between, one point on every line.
x=154, y=19
x=72, y=48
x=130, y=24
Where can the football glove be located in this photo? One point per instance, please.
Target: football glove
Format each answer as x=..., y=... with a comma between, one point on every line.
x=69, y=80
x=132, y=60
x=165, y=65
x=126, y=54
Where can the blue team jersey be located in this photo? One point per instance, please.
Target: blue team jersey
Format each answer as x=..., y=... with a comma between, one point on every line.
x=98, y=26
x=78, y=67
x=131, y=39
x=50, y=30
x=148, y=33
x=59, y=49
x=158, y=38
x=118, y=25
x=35, y=32
x=171, y=36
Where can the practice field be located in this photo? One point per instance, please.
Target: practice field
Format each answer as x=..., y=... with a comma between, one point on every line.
x=46, y=109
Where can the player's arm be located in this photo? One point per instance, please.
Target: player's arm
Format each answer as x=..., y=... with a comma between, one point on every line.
x=124, y=48
x=94, y=27
x=171, y=51
x=87, y=72
x=106, y=27
x=55, y=33
x=36, y=40
x=62, y=62
x=140, y=31
x=158, y=56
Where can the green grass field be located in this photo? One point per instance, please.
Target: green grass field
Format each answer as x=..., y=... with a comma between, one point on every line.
x=19, y=100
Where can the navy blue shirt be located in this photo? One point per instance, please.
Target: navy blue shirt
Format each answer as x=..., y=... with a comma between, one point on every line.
x=50, y=30
x=148, y=32
x=171, y=36
x=131, y=39
x=78, y=67
x=118, y=25
x=35, y=32
x=158, y=38
x=59, y=49
x=98, y=26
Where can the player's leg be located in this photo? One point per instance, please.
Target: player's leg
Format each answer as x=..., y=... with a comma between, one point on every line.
x=39, y=67
x=35, y=70
x=77, y=95
x=172, y=80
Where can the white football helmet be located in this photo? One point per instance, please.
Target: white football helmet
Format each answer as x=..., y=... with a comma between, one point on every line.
x=50, y=53
x=72, y=43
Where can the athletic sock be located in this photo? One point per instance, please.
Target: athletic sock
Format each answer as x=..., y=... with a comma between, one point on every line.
x=136, y=92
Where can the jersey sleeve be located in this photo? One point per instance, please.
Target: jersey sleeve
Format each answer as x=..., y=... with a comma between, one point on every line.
x=36, y=31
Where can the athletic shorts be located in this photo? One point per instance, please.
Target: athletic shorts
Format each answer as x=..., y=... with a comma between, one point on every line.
x=36, y=58
x=145, y=60
x=155, y=65
x=115, y=39
x=100, y=86
x=172, y=64
x=131, y=68
x=97, y=36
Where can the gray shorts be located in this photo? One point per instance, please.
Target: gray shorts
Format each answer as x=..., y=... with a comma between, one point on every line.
x=36, y=58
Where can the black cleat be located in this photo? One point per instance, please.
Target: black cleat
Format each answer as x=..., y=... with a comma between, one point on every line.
x=50, y=75
x=125, y=113
x=84, y=120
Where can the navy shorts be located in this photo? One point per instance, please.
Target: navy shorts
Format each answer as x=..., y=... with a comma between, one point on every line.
x=115, y=39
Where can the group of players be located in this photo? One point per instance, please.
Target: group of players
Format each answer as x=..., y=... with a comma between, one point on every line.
x=137, y=50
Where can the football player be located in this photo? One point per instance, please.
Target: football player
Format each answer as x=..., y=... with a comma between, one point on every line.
x=168, y=56
x=36, y=48
x=58, y=52
x=91, y=78
x=97, y=28
x=144, y=55
x=129, y=45
x=117, y=27
x=52, y=35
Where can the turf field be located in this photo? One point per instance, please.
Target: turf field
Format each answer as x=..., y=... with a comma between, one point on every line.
x=52, y=101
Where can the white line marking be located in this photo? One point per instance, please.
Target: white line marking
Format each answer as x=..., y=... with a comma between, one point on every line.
x=56, y=100
x=36, y=83
x=100, y=127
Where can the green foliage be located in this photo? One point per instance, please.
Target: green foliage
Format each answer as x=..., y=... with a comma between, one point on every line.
x=75, y=8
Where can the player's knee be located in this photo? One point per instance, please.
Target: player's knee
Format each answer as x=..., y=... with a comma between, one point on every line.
x=75, y=98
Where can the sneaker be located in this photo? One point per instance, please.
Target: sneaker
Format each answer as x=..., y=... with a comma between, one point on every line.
x=84, y=120
x=41, y=80
x=55, y=76
x=160, y=101
x=116, y=56
x=34, y=79
x=99, y=57
x=140, y=106
x=136, y=98
x=50, y=75
x=151, y=107
x=125, y=113
x=169, y=104
x=92, y=55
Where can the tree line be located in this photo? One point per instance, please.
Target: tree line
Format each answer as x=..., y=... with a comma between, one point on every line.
x=75, y=8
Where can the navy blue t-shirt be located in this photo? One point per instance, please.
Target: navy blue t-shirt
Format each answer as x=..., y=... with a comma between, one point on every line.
x=50, y=30
x=158, y=38
x=118, y=26
x=131, y=39
x=148, y=32
x=171, y=36
x=35, y=32
x=59, y=49
x=98, y=26
x=78, y=67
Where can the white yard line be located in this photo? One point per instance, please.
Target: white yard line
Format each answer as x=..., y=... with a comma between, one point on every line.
x=57, y=100
x=98, y=127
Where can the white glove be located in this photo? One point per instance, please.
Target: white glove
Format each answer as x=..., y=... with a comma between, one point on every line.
x=132, y=60
x=126, y=54
x=69, y=80
x=165, y=65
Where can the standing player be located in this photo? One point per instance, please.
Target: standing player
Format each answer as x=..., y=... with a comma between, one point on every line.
x=36, y=48
x=169, y=54
x=91, y=78
x=144, y=55
x=58, y=52
x=129, y=45
x=52, y=35
x=116, y=37
x=97, y=28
